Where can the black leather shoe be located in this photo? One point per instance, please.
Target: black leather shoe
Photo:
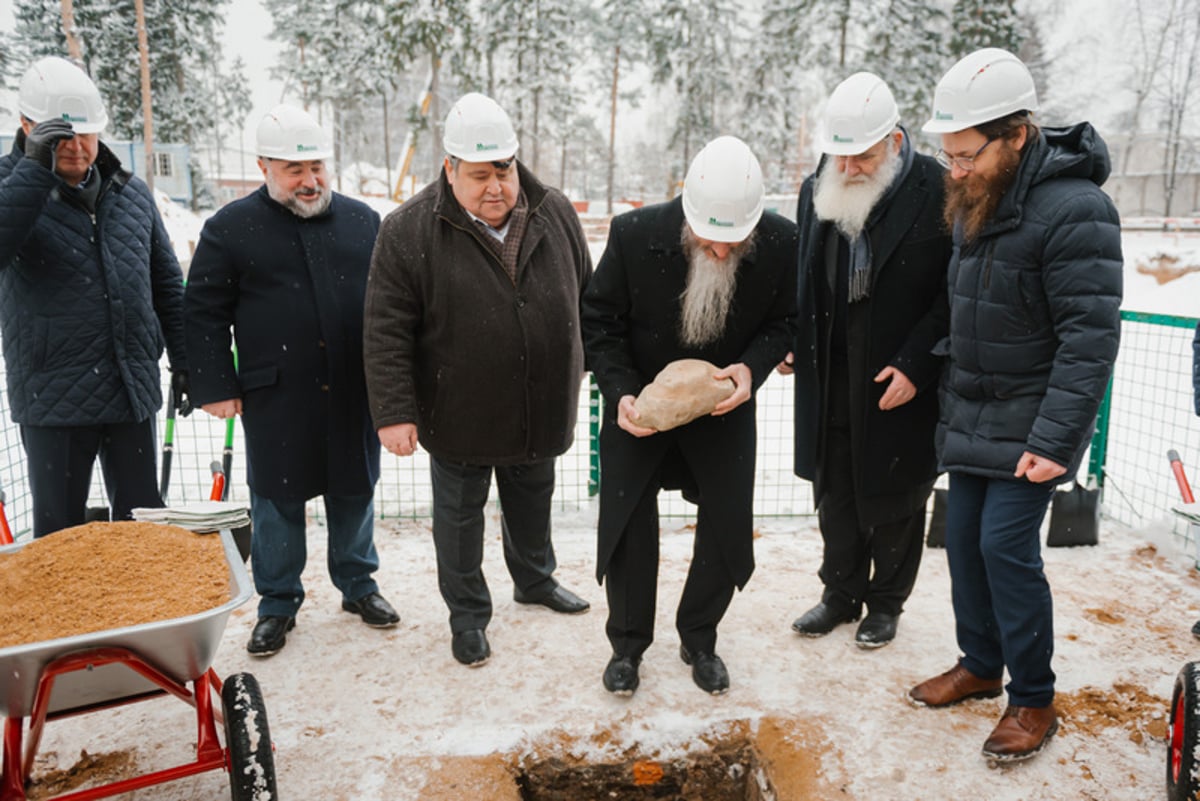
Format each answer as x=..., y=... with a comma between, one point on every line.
x=1196, y=629
x=621, y=675
x=560, y=599
x=822, y=619
x=708, y=671
x=269, y=635
x=471, y=647
x=373, y=610
x=876, y=630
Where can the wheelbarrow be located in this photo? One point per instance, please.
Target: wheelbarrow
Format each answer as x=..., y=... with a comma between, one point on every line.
x=56, y=679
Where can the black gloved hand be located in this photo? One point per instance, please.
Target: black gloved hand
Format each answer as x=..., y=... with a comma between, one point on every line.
x=179, y=388
x=42, y=141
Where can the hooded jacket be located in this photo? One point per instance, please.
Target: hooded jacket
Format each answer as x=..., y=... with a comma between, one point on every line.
x=87, y=300
x=1034, y=314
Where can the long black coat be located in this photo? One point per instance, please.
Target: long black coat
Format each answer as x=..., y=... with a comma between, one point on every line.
x=630, y=325
x=1034, y=314
x=898, y=324
x=292, y=289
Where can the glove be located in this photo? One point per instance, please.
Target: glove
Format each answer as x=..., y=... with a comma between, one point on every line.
x=42, y=141
x=179, y=388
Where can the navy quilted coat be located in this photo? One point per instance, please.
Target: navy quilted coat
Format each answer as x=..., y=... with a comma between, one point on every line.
x=1034, y=314
x=86, y=303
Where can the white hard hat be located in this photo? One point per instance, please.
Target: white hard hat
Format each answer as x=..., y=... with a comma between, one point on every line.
x=291, y=134
x=55, y=89
x=477, y=129
x=860, y=112
x=723, y=191
x=983, y=86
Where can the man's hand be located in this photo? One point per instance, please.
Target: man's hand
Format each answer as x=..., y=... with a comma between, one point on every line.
x=1038, y=469
x=223, y=409
x=899, y=392
x=179, y=389
x=785, y=367
x=400, y=439
x=42, y=142
x=627, y=415
x=742, y=383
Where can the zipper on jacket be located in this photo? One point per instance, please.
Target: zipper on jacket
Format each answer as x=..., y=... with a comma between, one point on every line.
x=987, y=265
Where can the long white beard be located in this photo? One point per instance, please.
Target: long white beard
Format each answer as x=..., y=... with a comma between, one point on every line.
x=302, y=204
x=708, y=296
x=847, y=202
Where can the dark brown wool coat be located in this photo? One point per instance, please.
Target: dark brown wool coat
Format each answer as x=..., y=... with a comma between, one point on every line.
x=488, y=370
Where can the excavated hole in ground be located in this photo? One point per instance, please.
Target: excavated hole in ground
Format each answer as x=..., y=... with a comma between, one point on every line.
x=726, y=770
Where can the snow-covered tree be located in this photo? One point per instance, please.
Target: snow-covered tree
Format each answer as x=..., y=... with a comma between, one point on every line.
x=421, y=35
x=697, y=45
x=984, y=23
x=622, y=32
x=908, y=52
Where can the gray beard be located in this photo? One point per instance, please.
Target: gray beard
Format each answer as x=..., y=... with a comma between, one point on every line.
x=707, y=298
x=301, y=207
x=848, y=205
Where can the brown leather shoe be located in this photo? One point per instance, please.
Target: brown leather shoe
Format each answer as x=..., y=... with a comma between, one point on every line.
x=1022, y=732
x=954, y=686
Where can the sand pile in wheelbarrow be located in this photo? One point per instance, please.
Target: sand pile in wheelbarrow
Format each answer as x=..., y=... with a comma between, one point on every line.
x=106, y=576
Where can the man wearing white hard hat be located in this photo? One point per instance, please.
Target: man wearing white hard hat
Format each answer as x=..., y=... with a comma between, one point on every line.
x=872, y=305
x=707, y=276
x=1035, y=293
x=285, y=270
x=473, y=352
x=89, y=291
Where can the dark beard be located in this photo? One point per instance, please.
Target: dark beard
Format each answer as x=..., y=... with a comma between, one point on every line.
x=972, y=201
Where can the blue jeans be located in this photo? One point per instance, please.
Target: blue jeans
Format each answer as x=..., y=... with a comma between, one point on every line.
x=278, y=550
x=1002, y=607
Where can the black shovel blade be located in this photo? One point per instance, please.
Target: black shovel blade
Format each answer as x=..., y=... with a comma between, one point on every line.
x=1074, y=517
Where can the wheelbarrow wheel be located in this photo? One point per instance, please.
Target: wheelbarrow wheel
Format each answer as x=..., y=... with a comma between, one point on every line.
x=251, y=756
x=1182, y=783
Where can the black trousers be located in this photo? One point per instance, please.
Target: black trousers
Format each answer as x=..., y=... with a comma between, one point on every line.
x=872, y=565
x=60, y=460
x=631, y=584
x=459, y=494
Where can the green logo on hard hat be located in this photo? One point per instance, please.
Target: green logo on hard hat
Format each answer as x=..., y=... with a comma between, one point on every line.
x=943, y=115
x=720, y=223
x=846, y=139
x=304, y=148
x=67, y=116
x=480, y=146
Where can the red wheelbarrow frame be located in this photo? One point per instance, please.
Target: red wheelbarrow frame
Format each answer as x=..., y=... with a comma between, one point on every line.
x=210, y=754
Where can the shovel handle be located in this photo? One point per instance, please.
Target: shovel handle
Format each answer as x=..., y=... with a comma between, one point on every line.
x=218, y=485
x=1185, y=489
x=6, y=537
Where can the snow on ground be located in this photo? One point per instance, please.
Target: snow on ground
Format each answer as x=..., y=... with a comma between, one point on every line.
x=362, y=714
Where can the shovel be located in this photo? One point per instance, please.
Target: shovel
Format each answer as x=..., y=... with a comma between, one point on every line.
x=1074, y=517
x=168, y=445
x=1185, y=489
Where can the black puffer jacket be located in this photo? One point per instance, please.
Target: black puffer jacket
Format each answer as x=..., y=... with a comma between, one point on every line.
x=86, y=303
x=1035, y=314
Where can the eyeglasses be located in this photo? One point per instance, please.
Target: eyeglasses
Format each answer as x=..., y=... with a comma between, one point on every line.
x=964, y=163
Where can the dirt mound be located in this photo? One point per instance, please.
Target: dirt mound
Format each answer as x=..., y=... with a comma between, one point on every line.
x=1126, y=706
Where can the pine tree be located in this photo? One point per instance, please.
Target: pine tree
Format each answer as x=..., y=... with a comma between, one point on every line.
x=908, y=53
x=622, y=32
x=420, y=36
x=984, y=23
x=697, y=46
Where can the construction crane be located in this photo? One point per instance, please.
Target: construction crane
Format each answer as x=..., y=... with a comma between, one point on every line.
x=410, y=141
